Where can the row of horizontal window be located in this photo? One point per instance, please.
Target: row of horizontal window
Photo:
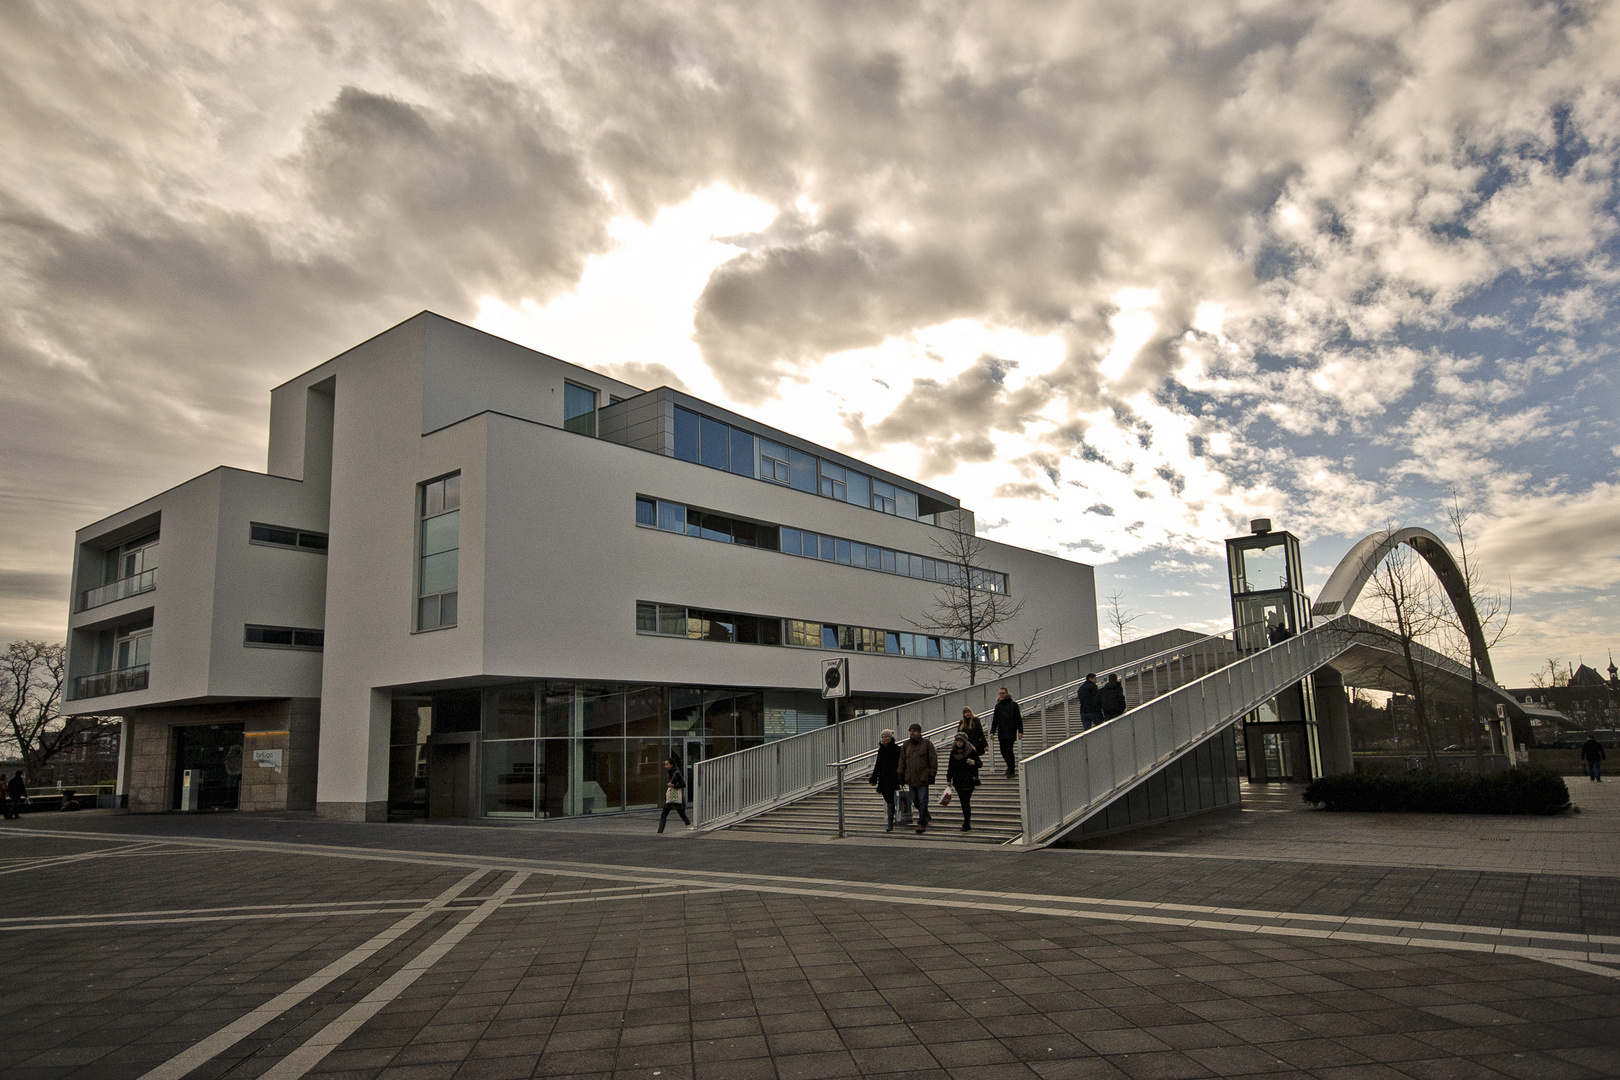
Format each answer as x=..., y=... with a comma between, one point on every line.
x=679, y=518
x=669, y=620
x=718, y=445
x=283, y=637
x=280, y=536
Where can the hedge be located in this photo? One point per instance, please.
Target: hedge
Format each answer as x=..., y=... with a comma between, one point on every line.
x=1527, y=789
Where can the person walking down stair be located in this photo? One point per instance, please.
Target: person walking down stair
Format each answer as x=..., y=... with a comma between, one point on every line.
x=962, y=773
x=674, y=792
x=1112, y=698
x=886, y=774
x=1007, y=725
x=918, y=768
x=974, y=729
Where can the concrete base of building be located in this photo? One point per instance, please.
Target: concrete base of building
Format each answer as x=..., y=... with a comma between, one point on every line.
x=353, y=811
x=280, y=739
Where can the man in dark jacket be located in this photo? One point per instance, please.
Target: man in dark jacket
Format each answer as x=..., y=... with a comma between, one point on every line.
x=1592, y=753
x=918, y=767
x=1090, y=696
x=17, y=792
x=1007, y=725
x=1112, y=698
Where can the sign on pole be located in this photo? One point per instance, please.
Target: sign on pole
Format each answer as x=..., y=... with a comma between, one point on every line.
x=835, y=678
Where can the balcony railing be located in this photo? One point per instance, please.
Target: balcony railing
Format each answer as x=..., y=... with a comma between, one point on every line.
x=103, y=683
x=133, y=585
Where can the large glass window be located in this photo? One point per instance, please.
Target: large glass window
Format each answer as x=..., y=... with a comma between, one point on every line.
x=686, y=434
x=802, y=471
x=742, y=452
x=579, y=409
x=714, y=444
x=439, y=560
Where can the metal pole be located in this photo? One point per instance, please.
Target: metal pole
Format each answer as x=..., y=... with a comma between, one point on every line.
x=840, y=781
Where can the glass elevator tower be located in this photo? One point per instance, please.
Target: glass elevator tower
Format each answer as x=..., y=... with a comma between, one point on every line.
x=1269, y=606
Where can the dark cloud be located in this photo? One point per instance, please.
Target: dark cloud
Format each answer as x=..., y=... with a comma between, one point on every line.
x=34, y=585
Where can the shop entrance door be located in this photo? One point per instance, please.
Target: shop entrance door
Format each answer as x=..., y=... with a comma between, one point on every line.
x=449, y=781
x=213, y=751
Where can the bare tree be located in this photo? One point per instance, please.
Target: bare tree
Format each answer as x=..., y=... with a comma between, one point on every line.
x=1549, y=676
x=1119, y=616
x=33, y=675
x=1492, y=611
x=970, y=605
x=1409, y=611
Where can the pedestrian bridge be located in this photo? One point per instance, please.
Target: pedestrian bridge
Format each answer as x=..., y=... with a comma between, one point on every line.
x=1172, y=753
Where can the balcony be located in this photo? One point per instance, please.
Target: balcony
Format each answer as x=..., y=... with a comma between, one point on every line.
x=133, y=585
x=102, y=683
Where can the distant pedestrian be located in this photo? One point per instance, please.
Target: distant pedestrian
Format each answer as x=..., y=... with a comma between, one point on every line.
x=674, y=792
x=918, y=768
x=1007, y=725
x=886, y=774
x=974, y=729
x=962, y=773
x=17, y=793
x=1112, y=698
x=1591, y=753
x=1090, y=695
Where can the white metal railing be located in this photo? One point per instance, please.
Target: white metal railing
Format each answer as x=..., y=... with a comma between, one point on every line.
x=133, y=585
x=1066, y=783
x=738, y=786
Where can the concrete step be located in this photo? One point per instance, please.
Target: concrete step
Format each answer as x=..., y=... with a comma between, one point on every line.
x=997, y=816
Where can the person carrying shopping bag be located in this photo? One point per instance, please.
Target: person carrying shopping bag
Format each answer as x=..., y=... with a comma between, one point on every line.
x=674, y=792
x=886, y=773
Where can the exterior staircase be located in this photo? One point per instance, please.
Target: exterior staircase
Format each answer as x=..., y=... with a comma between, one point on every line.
x=996, y=815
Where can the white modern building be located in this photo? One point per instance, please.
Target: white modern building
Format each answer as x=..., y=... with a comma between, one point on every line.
x=477, y=580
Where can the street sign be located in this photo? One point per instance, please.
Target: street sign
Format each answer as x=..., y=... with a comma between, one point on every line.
x=835, y=678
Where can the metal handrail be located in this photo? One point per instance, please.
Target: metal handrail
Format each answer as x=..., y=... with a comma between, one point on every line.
x=134, y=585
x=1064, y=784
x=737, y=786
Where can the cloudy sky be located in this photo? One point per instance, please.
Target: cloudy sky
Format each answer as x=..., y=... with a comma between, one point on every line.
x=1120, y=275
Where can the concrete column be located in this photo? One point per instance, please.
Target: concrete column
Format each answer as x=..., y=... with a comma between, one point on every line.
x=1333, y=722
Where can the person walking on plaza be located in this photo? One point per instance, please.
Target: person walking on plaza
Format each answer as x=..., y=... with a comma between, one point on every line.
x=674, y=792
x=17, y=793
x=962, y=773
x=919, y=765
x=886, y=774
x=1112, y=698
x=974, y=730
x=1090, y=696
x=1591, y=753
x=1007, y=725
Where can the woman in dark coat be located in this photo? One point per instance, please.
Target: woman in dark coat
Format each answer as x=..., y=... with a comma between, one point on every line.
x=974, y=729
x=674, y=792
x=886, y=773
x=962, y=773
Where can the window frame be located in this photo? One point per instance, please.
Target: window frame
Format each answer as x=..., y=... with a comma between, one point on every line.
x=596, y=408
x=293, y=632
x=438, y=597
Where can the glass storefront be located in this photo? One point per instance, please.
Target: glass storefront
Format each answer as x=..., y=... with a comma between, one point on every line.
x=560, y=749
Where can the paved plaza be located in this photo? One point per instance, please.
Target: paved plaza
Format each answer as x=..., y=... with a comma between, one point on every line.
x=280, y=946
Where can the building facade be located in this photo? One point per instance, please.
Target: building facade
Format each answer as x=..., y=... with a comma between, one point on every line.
x=478, y=580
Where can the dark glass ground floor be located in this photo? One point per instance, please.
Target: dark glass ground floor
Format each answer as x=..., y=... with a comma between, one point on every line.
x=559, y=749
